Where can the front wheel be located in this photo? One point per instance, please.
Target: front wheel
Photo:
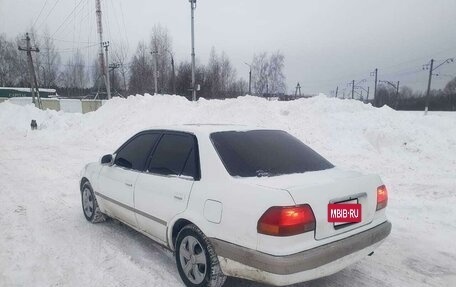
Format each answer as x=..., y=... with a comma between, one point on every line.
x=90, y=205
x=196, y=260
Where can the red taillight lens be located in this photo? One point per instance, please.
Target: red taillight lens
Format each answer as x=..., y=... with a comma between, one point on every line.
x=382, y=197
x=287, y=221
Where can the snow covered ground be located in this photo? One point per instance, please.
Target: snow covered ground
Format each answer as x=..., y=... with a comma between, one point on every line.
x=46, y=241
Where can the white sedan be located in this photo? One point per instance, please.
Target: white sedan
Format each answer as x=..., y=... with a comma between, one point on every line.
x=236, y=201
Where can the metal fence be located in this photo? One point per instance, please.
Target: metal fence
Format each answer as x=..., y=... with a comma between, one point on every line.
x=65, y=105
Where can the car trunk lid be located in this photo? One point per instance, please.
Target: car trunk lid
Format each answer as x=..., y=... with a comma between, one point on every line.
x=320, y=188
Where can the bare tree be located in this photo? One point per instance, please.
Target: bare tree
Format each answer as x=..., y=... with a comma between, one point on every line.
x=50, y=62
x=267, y=74
x=141, y=71
x=161, y=44
x=450, y=87
x=406, y=92
x=184, y=78
x=74, y=74
x=9, y=63
x=276, y=77
x=238, y=88
x=227, y=75
x=96, y=76
x=212, y=85
x=121, y=57
x=220, y=76
x=260, y=71
x=450, y=92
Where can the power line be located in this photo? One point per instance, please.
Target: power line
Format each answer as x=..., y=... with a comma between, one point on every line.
x=77, y=48
x=419, y=58
x=89, y=34
x=406, y=72
x=49, y=13
x=119, y=28
x=82, y=19
x=398, y=74
x=66, y=19
x=61, y=40
x=39, y=14
x=125, y=27
x=106, y=18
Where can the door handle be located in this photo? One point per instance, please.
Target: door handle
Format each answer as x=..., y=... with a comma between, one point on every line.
x=178, y=196
x=129, y=184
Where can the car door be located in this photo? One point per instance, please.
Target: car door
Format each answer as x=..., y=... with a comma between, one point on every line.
x=117, y=181
x=163, y=190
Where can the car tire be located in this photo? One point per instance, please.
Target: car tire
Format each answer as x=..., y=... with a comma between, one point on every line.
x=90, y=206
x=196, y=259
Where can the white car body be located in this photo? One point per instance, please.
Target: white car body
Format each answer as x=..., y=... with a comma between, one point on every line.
x=227, y=209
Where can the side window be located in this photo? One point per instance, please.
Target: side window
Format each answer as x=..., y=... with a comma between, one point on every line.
x=174, y=155
x=134, y=154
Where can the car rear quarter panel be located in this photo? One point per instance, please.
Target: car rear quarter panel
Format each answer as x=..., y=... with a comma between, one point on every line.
x=242, y=204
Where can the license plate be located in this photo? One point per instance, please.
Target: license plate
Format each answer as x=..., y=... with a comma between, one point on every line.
x=344, y=212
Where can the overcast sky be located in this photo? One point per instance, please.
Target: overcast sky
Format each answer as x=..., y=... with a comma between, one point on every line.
x=326, y=42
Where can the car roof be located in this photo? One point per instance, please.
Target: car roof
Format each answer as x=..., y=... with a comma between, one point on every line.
x=205, y=128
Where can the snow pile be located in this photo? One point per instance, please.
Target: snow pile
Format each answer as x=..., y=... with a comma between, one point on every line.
x=45, y=240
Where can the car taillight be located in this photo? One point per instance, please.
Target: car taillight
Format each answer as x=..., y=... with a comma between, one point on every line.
x=286, y=221
x=382, y=197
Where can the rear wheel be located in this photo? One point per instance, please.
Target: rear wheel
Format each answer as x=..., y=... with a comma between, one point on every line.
x=90, y=205
x=196, y=260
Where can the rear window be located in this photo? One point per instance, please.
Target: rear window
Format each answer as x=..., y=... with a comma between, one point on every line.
x=265, y=153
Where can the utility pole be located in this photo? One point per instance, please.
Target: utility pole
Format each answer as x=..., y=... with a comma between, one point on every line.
x=113, y=67
x=353, y=89
x=124, y=80
x=431, y=69
x=174, y=73
x=33, y=82
x=367, y=97
x=337, y=91
x=298, y=90
x=101, y=60
x=397, y=94
x=375, y=73
x=155, y=59
x=193, y=88
x=250, y=78
x=108, y=84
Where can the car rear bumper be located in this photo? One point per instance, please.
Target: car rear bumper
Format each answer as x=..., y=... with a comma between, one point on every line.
x=321, y=261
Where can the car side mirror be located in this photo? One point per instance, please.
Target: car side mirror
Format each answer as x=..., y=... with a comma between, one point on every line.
x=106, y=159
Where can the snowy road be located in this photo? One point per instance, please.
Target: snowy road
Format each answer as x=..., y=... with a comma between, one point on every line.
x=46, y=241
